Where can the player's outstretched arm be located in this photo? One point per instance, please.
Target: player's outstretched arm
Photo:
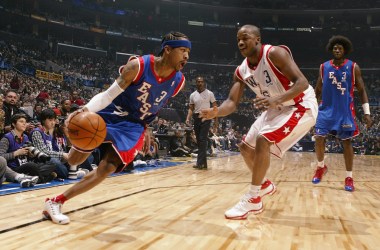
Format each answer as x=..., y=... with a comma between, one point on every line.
x=229, y=105
x=103, y=99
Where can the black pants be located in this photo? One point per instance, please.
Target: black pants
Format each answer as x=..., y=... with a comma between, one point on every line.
x=201, y=132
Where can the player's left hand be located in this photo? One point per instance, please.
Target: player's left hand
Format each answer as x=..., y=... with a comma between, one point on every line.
x=208, y=114
x=368, y=121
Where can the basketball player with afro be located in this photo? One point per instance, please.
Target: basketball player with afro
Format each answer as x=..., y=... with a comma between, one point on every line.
x=127, y=106
x=336, y=116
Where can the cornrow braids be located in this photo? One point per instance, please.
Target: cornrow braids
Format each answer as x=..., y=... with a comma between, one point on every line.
x=341, y=40
x=173, y=35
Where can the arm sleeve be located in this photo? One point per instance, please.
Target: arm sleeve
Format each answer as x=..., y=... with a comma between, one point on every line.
x=103, y=99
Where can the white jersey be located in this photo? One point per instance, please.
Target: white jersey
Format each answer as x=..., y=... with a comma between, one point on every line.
x=266, y=80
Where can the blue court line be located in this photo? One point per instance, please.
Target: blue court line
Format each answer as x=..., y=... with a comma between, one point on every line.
x=12, y=188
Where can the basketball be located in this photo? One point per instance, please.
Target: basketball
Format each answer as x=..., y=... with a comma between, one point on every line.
x=87, y=130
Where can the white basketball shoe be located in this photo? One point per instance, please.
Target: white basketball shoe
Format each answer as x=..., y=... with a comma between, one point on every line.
x=52, y=211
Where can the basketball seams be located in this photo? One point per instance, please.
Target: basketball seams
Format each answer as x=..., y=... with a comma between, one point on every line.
x=88, y=128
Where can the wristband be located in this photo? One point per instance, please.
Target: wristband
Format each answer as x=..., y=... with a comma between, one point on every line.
x=366, y=108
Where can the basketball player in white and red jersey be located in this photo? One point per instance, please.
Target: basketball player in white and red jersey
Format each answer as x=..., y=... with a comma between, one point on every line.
x=289, y=111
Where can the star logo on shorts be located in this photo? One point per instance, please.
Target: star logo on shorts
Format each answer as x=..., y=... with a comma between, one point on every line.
x=286, y=130
x=298, y=115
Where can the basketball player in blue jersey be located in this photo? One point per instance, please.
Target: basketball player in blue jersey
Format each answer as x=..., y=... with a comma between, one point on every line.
x=335, y=87
x=144, y=86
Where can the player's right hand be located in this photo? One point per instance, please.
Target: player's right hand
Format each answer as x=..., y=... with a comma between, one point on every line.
x=208, y=114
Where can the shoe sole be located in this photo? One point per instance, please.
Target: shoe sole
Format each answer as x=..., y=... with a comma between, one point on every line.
x=349, y=189
x=271, y=192
x=245, y=216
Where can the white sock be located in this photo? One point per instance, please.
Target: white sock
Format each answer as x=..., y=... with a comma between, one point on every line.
x=74, y=168
x=321, y=164
x=255, y=191
x=349, y=174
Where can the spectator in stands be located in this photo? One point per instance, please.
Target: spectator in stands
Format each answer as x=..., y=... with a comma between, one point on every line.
x=6, y=173
x=64, y=109
x=161, y=128
x=15, y=148
x=42, y=139
x=152, y=151
x=177, y=147
x=43, y=96
x=200, y=99
x=37, y=112
x=76, y=99
x=10, y=108
x=2, y=116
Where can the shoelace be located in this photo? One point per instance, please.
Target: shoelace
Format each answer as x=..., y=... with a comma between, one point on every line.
x=243, y=200
x=55, y=208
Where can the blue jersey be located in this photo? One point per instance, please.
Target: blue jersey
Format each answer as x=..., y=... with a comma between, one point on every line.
x=336, y=112
x=148, y=93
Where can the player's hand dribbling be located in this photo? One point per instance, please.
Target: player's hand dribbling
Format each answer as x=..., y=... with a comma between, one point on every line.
x=208, y=114
x=67, y=121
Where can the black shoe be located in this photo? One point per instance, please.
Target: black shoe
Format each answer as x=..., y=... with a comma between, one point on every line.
x=202, y=167
x=195, y=166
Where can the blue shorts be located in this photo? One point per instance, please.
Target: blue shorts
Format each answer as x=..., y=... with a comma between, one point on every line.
x=126, y=138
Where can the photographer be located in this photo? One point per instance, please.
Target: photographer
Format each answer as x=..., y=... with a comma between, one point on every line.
x=14, y=147
x=42, y=139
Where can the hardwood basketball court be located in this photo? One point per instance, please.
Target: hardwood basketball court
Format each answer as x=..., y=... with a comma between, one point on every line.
x=182, y=208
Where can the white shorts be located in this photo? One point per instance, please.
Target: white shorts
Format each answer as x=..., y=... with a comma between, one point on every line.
x=283, y=127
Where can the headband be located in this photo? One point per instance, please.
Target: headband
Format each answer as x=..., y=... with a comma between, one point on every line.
x=176, y=44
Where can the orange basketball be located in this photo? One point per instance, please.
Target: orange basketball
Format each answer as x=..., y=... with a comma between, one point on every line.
x=87, y=130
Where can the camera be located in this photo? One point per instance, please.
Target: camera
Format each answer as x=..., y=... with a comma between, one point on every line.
x=41, y=156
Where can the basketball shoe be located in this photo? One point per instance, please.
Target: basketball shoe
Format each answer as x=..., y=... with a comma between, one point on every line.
x=319, y=173
x=349, y=184
x=52, y=211
x=245, y=206
x=27, y=180
x=267, y=188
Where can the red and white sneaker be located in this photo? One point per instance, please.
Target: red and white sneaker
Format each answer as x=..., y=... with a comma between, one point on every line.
x=267, y=188
x=52, y=211
x=319, y=173
x=349, y=184
x=246, y=205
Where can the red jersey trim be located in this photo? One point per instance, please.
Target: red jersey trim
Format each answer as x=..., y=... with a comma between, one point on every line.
x=337, y=67
x=159, y=79
x=279, y=134
x=237, y=73
x=141, y=68
x=283, y=80
x=128, y=156
x=180, y=86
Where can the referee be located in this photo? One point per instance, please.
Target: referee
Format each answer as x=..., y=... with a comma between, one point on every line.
x=201, y=99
